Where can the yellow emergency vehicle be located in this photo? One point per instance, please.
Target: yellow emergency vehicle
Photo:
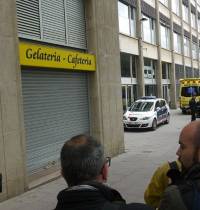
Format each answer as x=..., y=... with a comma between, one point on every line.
x=188, y=88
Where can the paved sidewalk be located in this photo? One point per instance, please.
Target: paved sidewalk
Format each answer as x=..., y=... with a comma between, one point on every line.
x=130, y=172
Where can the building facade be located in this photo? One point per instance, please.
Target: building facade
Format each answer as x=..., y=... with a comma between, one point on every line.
x=59, y=77
x=60, y=74
x=159, y=44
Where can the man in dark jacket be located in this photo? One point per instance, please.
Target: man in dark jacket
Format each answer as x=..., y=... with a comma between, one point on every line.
x=193, y=105
x=85, y=170
x=184, y=194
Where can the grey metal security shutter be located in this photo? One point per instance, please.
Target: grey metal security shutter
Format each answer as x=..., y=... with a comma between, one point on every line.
x=53, y=21
x=28, y=18
x=55, y=108
x=75, y=18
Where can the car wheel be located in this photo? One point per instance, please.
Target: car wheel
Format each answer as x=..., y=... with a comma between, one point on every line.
x=154, y=124
x=167, y=119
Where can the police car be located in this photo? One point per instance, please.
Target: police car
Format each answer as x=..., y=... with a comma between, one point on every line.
x=147, y=112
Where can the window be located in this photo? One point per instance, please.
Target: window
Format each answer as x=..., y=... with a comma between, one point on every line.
x=186, y=47
x=148, y=30
x=165, y=2
x=125, y=65
x=128, y=65
x=185, y=13
x=165, y=70
x=196, y=73
x=176, y=7
x=179, y=72
x=165, y=37
x=193, y=20
x=133, y=21
x=149, y=68
x=127, y=21
x=141, y=106
x=199, y=49
x=188, y=72
x=198, y=22
x=194, y=50
x=177, y=42
x=157, y=104
x=58, y=22
x=123, y=18
x=133, y=62
x=124, y=97
x=189, y=91
x=162, y=103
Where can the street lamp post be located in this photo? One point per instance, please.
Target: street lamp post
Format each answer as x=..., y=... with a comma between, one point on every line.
x=140, y=70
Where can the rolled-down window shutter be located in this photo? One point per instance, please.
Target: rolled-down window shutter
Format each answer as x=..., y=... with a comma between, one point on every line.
x=53, y=21
x=148, y=10
x=76, y=25
x=130, y=2
x=28, y=18
x=55, y=109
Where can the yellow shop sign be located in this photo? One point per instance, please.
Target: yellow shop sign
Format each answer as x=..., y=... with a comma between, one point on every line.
x=54, y=57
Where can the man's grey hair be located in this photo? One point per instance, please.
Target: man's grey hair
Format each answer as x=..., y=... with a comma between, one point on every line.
x=82, y=159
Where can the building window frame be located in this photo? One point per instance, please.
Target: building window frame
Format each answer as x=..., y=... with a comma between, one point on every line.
x=193, y=20
x=148, y=30
x=165, y=36
x=194, y=50
x=198, y=24
x=176, y=7
x=185, y=13
x=186, y=44
x=127, y=19
x=128, y=65
x=177, y=42
x=165, y=70
x=149, y=68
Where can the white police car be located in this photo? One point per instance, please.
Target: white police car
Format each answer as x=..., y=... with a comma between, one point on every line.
x=147, y=112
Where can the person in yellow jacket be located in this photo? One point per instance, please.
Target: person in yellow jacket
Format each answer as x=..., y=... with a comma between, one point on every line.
x=158, y=183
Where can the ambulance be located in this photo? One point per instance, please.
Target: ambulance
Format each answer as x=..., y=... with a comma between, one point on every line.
x=188, y=88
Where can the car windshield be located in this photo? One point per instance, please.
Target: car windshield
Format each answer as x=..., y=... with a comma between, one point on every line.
x=189, y=91
x=141, y=106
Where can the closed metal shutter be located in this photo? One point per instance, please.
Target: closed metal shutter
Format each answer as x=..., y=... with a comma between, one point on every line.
x=53, y=20
x=75, y=23
x=55, y=109
x=28, y=18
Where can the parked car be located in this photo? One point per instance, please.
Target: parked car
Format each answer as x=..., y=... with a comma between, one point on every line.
x=147, y=112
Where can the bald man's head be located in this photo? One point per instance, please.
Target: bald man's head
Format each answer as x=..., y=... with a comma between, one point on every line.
x=189, y=140
x=192, y=131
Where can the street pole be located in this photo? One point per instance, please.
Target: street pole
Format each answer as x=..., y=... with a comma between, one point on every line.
x=140, y=70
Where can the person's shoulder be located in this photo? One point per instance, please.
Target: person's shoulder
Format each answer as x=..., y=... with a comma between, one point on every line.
x=172, y=199
x=137, y=206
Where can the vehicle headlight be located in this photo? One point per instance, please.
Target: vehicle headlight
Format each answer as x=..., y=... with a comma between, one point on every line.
x=145, y=118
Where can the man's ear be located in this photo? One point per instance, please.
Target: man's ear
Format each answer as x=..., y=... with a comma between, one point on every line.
x=104, y=172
